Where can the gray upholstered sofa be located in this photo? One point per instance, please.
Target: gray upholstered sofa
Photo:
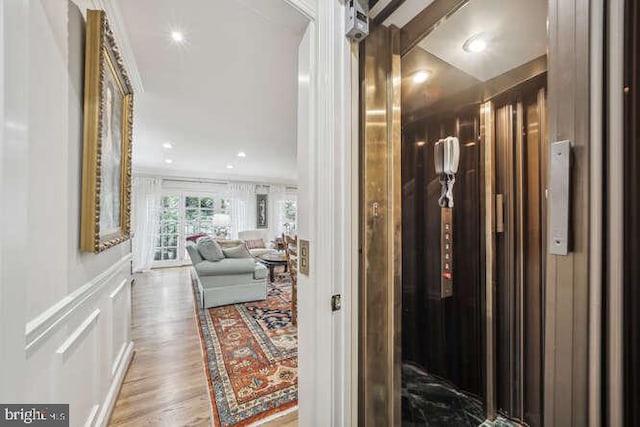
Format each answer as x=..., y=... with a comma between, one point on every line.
x=229, y=280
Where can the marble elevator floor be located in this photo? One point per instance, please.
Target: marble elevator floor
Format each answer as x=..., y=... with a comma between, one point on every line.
x=428, y=401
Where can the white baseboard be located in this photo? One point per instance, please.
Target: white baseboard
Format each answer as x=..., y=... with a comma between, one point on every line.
x=274, y=417
x=114, y=389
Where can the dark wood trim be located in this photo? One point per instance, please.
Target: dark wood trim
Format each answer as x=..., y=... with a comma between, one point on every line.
x=387, y=11
x=515, y=77
x=425, y=22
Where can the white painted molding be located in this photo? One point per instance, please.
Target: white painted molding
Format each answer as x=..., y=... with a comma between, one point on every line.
x=120, y=31
x=45, y=324
x=306, y=7
x=70, y=343
x=211, y=176
x=326, y=371
x=119, y=289
x=118, y=360
x=92, y=416
x=114, y=389
x=272, y=418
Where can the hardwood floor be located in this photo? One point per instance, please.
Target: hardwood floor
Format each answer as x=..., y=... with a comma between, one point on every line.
x=165, y=384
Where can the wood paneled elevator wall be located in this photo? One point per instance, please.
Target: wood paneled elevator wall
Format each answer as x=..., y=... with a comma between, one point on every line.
x=443, y=336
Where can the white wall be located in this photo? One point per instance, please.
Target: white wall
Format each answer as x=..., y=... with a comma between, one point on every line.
x=65, y=315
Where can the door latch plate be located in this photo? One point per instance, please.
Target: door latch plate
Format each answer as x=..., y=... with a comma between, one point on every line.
x=336, y=302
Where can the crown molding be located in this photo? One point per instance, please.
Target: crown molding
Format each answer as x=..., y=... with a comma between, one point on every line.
x=178, y=174
x=307, y=7
x=116, y=23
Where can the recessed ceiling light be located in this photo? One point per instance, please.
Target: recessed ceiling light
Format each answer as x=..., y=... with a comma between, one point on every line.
x=420, y=143
x=421, y=76
x=177, y=36
x=476, y=43
x=229, y=166
x=242, y=154
x=167, y=145
x=168, y=161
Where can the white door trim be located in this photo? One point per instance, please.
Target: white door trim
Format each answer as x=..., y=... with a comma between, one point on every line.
x=327, y=219
x=14, y=161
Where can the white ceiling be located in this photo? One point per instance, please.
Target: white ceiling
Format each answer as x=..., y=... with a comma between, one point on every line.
x=517, y=33
x=517, y=30
x=232, y=86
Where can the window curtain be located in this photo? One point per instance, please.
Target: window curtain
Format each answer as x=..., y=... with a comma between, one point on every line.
x=243, y=208
x=279, y=195
x=145, y=220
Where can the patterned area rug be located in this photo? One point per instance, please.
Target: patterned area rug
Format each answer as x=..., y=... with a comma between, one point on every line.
x=250, y=356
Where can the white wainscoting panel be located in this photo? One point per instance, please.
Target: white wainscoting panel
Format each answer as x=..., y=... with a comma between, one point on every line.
x=78, y=350
x=76, y=359
x=120, y=310
x=46, y=323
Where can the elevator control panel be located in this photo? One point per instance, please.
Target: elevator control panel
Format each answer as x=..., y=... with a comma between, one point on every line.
x=446, y=251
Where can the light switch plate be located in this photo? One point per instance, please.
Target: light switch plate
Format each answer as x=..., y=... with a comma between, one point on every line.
x=304, y=257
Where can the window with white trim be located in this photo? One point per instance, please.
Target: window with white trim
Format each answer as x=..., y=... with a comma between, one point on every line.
x=185, y=214
x=290, y=216
x=168, y=238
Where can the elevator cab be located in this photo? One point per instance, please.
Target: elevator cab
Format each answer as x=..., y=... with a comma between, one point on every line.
x=473, y=129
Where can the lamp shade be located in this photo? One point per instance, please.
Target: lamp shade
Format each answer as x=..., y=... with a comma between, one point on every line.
x=221, y=220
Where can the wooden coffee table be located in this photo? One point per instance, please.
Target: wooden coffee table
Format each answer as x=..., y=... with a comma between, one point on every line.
x=272, y=260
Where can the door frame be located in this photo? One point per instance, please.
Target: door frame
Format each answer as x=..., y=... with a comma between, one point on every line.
x=327, y=217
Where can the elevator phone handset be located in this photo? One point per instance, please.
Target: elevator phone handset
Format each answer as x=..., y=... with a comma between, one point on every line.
x=447, y=158
x=451, y=155
x=438, y=156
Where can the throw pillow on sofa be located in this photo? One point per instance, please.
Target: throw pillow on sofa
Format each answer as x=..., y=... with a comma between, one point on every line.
x=209, y=249
x=239, y=251
x=255, y=244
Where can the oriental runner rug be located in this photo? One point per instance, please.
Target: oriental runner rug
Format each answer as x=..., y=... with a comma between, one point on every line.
x=250, y=357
